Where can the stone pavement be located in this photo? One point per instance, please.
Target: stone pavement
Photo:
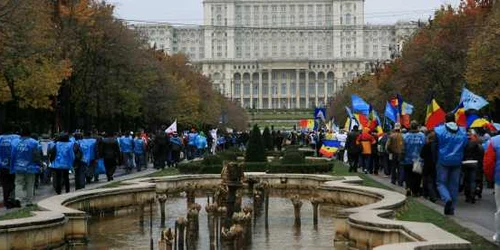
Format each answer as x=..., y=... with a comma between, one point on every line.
x=477, y=217
x=45, y=191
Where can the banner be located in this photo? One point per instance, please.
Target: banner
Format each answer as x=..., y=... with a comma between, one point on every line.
x=359, y=105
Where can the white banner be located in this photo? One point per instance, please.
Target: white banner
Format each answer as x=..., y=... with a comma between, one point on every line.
x=172, y=128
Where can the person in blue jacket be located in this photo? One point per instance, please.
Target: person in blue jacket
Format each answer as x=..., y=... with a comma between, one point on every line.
x=139, y=151
x=176, y=148
x=449, y=150
x=413, y=142
x=8, y=142
x=63, y=155
x=88, y=149
x=201, y=144
x=26, y=161
x=126, y=143
x=191, y=145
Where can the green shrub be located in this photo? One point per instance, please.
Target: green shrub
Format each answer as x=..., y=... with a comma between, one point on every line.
x=292, y=155
x=267, y=139
x=308, y=168
x=255, y=149
x=256, y=166
x=212, y=160
x=198, y=168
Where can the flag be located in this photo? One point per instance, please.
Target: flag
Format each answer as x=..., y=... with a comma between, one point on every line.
x=172, y=128
x=471, y=100
x=375, y=123
x=404, y=110
x=329, y=148
x=460, y=117
x=474, y=121
x=435, y=115
x=359, y=105
x=320, y=113
x=307, y=124
x=362, y=120
x=391, y=112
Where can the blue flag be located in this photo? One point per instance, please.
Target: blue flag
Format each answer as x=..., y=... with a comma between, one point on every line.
x=471, y=100
x=391, y=112
x=360, y=106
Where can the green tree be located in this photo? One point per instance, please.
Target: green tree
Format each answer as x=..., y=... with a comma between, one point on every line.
x=255, y=149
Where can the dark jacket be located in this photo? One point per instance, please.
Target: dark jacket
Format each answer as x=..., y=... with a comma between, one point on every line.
x=429, y=168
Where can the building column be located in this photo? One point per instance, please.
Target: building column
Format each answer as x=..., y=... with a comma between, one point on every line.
x=251, y=91
x=288, y=89
x=242, y=89
x=269, y=89
x=325, y=85
x=307, y=88
x=297, y=89
x=260, y=90
x=316, y=89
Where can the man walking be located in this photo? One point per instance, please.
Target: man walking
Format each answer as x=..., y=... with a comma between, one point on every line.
x=139, y=152
x=353, y=149
x=63, y=155
x=110, y=153
x=8, y=142
x=127, y=148
x=395, y=148
x=450, y=144
x=492, y=172
x=414, y=141
x=26, y=160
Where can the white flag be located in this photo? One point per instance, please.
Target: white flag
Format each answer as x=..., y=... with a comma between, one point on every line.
x=172, y=128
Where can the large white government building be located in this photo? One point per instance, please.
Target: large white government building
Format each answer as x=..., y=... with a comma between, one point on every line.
x=281, y=54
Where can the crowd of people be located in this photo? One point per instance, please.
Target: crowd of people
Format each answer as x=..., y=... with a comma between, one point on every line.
x=437, y=164
x=28, y=161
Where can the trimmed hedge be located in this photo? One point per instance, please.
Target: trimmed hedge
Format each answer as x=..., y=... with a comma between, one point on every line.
x=272, y=167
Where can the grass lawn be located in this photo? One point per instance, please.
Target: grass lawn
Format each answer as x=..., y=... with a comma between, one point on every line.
x=418, y=212
x=19, y=213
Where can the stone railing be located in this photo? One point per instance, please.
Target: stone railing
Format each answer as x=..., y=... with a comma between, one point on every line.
x=367, y=224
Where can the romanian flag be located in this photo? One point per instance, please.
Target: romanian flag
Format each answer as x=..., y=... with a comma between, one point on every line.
x=474, y=121
x=375, y=123
x=403, y=110
x=329, y=148
x=435, y=115
x=460, y=117
x=307, y=124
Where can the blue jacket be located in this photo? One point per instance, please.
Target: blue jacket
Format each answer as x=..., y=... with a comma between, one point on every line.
x=26, y=157
x=139, y=146
x=201, y=142
x=192, y=138
x=126, y=144
x=65, y=155
x=176, y=140
x=7, y=145
x=88, y=149
x=451, y=142
x=414, y=142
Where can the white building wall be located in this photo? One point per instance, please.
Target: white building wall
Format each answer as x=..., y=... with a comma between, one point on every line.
x=282, y=54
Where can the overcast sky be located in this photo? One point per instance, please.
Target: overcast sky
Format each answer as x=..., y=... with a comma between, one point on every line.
x=190, y=11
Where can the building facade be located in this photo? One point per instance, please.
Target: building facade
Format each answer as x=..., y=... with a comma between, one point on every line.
x=281, y=54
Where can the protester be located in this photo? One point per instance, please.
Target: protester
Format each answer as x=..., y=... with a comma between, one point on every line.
x=191, y=145
x=366, y=140
x=492, y=173
x=63, y=155
x=110, y=152
x=341, y=137
x=473, y=159
x=26, y=161
x=382, y=154
x=429, y=169
x=8, y=142
x=353, y=149
x=450, y=144
x=414, y=140
x=127, y=148
x=201, y=144
x=395, y=149
x=176, y=148
x=139, y=152
x=160, y=149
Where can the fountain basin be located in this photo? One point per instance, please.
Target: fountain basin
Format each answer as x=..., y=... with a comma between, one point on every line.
x=367, y=223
